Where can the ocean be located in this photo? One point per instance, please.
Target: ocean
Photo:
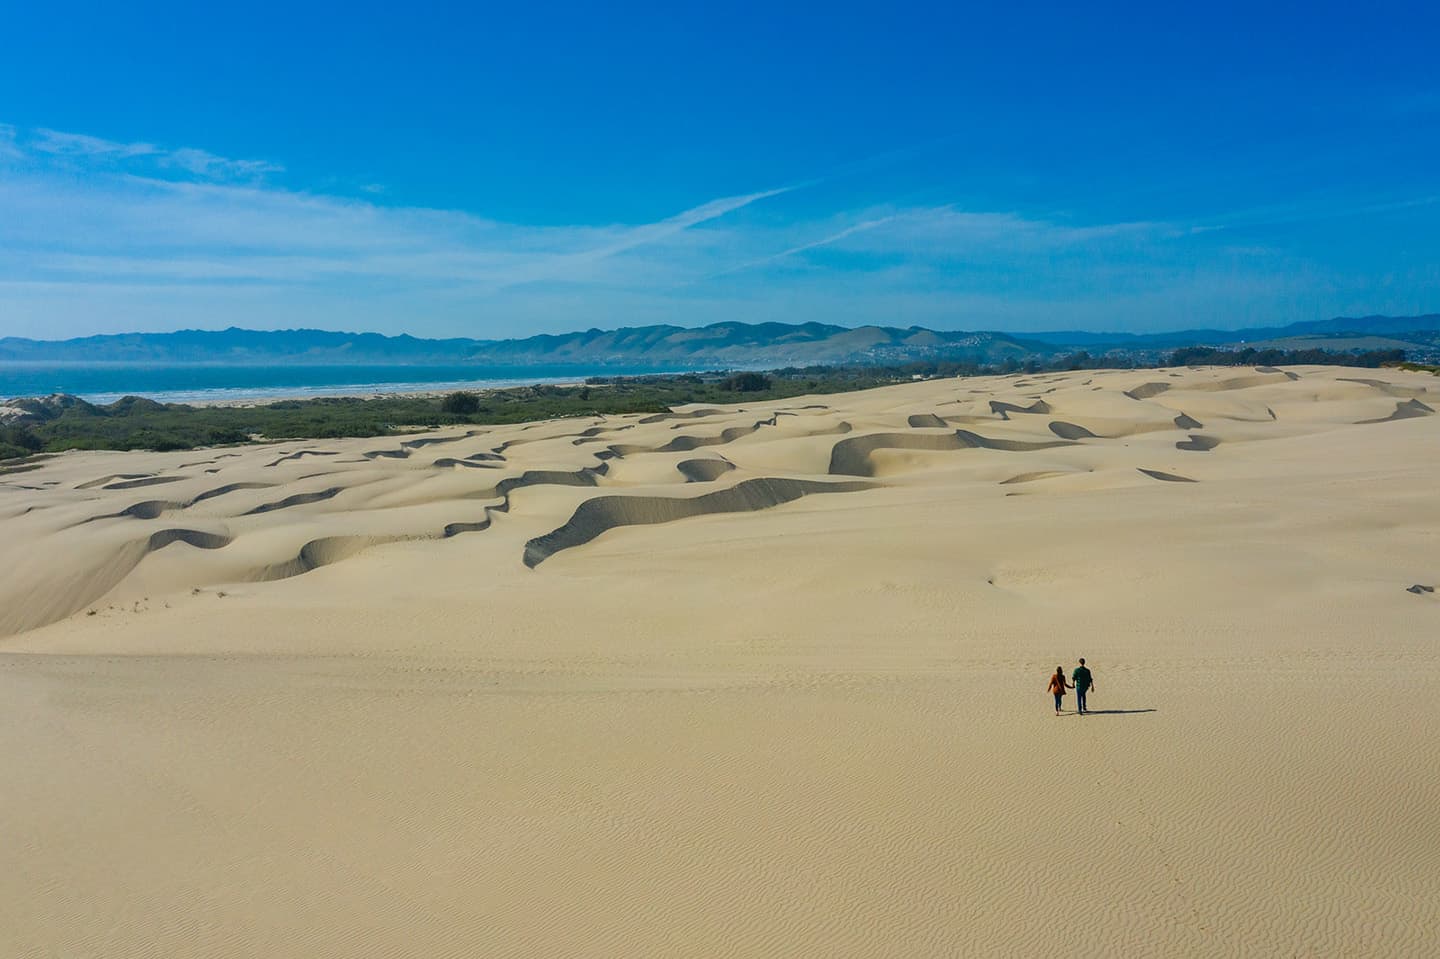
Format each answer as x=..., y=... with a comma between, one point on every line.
x=107, y=382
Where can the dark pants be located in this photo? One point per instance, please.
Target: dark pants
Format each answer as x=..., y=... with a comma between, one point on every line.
x=1080, y=692
x=1059, y=698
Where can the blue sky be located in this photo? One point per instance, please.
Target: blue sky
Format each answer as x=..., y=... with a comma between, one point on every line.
x=504, y=170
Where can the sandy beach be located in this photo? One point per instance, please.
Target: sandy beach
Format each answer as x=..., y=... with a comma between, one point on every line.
x=747, y=681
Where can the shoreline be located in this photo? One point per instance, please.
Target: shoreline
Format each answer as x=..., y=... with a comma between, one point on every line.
x=241, y=384
x=247, y=399
x=431, y=393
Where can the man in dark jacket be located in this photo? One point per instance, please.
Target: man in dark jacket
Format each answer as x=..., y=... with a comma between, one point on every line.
x=1084, y=682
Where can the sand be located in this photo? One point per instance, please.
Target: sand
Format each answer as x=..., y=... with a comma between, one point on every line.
x=754, y=681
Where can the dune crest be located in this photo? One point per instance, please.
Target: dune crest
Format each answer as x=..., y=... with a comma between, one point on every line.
x=596, y=516
x=352, y=499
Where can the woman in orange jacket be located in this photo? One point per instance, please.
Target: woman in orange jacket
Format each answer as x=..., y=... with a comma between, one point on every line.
x=1058, y=685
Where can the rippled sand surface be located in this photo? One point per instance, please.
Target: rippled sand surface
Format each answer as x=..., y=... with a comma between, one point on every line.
x=748, y=681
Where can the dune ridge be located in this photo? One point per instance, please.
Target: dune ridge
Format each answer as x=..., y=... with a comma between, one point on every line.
x=1404, y=410
x=1198, y=443
x=853, y=455
x=599, y=515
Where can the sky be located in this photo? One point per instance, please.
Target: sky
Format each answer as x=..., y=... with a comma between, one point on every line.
x=495, y=170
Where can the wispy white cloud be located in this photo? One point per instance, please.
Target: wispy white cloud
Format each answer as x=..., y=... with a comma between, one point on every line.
x=836, y=237
x=957, y=230
x=113, y=227
x=941, y=233
x=91, y=149
x=9, y=149
x=208, y=165
x=1313, y=211
x=703, y=213
x=82, y=145
x=151, y=238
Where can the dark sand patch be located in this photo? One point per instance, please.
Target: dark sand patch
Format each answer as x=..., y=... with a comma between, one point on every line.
x=1165, y=477
x=1071, y=431
x=596, y=516
x=689, y=415
x=1032, y=477
x=1005, y=409
x=1404, y=410
x=450, y=462
x=138, y=483
x=1198, y=444
x=851, y=457
x=300, y=454
x=105, y=479
x=298, y=499
x=705, y=470
x=1389, y=389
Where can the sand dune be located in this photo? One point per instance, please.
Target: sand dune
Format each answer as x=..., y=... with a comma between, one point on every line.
x=1166, y=477
x=1146, y=390
x=749, y=681
x=596, y=516
x=704, y=471
x=1404, y=410
x=1004, y=409
x=1031, y=477
x=103, y=481
x=687, y=415
x=1070, y=431
x=1197, y=443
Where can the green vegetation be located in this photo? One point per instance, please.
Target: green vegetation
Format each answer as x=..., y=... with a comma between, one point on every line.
x=67, y=423
x=16, y=441
x=747, y=383
x=62, y=423
x=1209, y=356
x=461, y=404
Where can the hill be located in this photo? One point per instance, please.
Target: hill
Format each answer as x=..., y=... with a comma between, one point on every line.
x=1364, y=326
x=718, y=346
x=659, y=347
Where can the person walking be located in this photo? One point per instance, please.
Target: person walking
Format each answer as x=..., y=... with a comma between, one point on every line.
x=1084, y=682
x=1058, y=685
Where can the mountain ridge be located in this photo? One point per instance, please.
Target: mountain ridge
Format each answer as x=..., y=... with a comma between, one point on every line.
x=720, y=345
x=1372, y=325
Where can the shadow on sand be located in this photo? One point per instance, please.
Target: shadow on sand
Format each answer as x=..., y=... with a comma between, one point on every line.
x=1111, y=712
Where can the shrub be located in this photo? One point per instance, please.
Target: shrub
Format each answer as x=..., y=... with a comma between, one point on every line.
x=160, y=442
x=219, y=437
x=21, y=439
x=461, y=404
x=746, y=383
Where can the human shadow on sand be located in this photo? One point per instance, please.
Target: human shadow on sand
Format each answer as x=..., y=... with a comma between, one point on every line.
x=1110, y=712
